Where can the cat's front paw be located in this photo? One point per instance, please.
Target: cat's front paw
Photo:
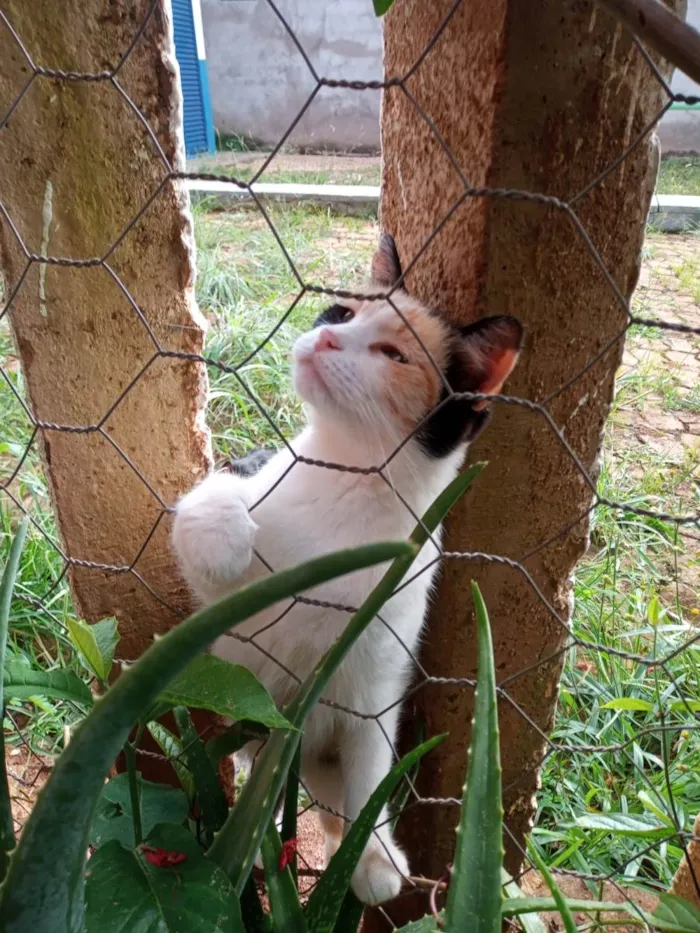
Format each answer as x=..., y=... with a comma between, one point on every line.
x=379, y=874
x=213, y=535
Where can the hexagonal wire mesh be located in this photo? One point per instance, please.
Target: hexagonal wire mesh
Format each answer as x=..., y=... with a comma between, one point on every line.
x=682, y=721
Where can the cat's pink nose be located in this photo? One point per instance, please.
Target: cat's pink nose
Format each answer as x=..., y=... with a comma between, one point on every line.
x=327, y=340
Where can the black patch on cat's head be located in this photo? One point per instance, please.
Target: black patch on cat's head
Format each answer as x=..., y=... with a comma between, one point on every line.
x=252, y=463
x=335, y=314
x=481, y=357
x=386, y=265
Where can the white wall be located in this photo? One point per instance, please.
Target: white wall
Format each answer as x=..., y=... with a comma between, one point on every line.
x=259, y=81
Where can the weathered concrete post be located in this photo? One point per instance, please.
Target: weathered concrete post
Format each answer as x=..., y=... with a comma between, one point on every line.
x=77, y=164
x=539, y=96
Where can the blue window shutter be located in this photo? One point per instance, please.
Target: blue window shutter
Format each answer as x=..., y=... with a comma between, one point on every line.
x=199, y=134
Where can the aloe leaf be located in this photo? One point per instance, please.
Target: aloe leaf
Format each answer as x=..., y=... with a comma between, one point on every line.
x=324, y=904
x=238, y=843
x=474, y=897
x=350, y=916
x=289, y=810
x=7, y=586
x=210, y=795
x=56, y=834
x=562, y=906
x=255, y=920
x=286, y=912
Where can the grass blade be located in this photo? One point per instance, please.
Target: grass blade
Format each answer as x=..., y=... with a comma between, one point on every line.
x=561, y=903
x=324, y=904
x=238, y=843
x=56, y=834
x=7, y=586
x=475, y=896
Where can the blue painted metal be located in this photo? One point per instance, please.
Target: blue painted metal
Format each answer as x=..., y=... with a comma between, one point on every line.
x=198, y=122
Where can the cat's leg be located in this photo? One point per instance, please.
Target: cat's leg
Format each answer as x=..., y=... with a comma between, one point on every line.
x=323, y=781
x=366, y=759
x=213, y=534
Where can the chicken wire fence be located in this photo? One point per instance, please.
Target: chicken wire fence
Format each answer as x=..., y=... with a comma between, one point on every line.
x=681, y=715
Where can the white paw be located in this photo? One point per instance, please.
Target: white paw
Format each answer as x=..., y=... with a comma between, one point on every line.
x=380, y=872
x=213, y=534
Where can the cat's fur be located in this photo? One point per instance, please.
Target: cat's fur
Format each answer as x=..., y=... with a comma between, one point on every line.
x=368, y=384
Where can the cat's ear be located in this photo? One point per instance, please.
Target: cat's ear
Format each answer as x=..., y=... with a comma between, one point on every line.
x=488, y=351
x=386, y=265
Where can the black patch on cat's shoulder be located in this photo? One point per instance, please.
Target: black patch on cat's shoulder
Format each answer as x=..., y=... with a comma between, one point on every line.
x=252, y=463
x=454, y=422
x=335, y=314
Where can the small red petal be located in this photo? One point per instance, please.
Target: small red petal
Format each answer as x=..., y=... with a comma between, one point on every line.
x=161, y=858
x=289, y=849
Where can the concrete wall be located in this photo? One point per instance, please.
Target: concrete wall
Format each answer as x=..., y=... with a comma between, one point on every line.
x=679, y=131
x=259, y=80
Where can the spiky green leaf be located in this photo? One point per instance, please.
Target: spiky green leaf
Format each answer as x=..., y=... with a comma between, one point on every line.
x=475, y=895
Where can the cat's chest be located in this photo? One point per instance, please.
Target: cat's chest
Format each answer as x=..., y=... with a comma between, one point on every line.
x=313, y=518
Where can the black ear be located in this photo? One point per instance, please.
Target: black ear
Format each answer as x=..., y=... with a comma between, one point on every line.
x=483, y=356
x=487, y=352
x=386, y=265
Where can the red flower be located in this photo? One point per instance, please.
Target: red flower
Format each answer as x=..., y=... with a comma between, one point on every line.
x=161, y=858
x=289, y=850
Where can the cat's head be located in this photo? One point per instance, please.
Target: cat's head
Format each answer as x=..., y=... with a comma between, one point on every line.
x=364, y=366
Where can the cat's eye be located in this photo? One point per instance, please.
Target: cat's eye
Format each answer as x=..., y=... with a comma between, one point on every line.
x=347, y=315
x=393, y=354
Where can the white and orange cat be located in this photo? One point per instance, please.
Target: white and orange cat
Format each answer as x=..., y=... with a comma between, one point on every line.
x=368, y=383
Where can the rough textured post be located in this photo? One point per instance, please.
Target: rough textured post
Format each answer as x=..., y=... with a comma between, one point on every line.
x=687, y=880
x=77, y=164
x=539, y=96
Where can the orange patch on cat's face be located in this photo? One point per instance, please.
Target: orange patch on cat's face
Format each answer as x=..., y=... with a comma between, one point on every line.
x=413, y=389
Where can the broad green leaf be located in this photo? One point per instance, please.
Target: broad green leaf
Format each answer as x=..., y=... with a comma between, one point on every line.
x=22, y=682
x=683, y=706
x=210, y=794
x=239, y=841
x=286, y=913
x=56, y=833
x=234, y=738
x=95, y=644
x=172, y=747
x=326, y=898
x=7, y=586
x=676, y=914
x=625, y=823
x=382, y=6
x=127, y=894
x=227, y=689
x=475, y=895
x=113, y=817
x=629, y=703
x=562, y=906
x=426, y=924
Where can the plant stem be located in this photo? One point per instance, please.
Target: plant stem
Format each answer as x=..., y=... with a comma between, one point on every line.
x=134, y=792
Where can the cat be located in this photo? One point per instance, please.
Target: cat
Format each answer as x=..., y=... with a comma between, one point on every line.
x=368, y=383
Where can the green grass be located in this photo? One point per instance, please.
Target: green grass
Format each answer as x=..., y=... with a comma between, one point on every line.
x=679, y=175
x=362, y=175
